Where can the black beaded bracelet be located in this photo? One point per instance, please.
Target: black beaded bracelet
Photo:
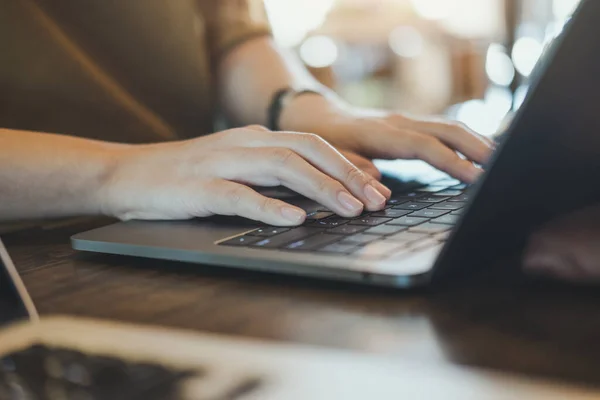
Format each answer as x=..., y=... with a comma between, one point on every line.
x=277, y=105
x=275, y=109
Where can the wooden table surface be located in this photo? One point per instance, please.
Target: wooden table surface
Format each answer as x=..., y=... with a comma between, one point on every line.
x=538, y=329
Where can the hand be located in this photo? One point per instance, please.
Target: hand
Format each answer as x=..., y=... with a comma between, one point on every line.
x=363, y=164
x=567, y=248
x=378, y=134
x=209, y=175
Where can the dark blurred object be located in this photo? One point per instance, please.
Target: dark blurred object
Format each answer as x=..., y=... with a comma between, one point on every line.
x=567, y=248
x=42, y=373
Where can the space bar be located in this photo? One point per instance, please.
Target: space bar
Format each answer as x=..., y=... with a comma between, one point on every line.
x=287, y=237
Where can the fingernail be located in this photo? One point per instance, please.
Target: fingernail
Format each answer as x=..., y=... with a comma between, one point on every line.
x=293, y=215
x=349, y=202
x=374, y=196
x=475, y=173
x=384, y=190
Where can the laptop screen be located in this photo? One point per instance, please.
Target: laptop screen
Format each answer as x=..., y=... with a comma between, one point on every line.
x=12, y=307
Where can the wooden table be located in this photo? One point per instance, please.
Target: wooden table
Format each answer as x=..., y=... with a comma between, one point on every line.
x=537, y=329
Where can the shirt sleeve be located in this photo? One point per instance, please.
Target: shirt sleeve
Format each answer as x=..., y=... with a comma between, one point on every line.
x=230, y=23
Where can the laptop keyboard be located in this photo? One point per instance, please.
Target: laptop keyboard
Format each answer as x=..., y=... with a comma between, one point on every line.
x=43, y=373
x=410, y=222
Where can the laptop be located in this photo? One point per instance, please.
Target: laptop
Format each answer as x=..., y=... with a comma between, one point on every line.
x=65, y=358
x=547, y=164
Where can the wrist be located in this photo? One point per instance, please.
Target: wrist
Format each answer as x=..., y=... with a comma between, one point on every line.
x=312, y=113
x=107, y=199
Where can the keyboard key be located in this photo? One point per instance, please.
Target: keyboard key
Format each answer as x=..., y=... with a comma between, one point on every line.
x=449, y=192
x=364, y=214
x=404, y=197
x=327, y=223
x=395, y=202
x=408, y=221
x=369, y=221
x=411, y=206
x=285, y=238
x=432, y=199
x=463, y=197
x=241, y=241
x=429, y=213
x=347, y=230
x=268, y=232
x=361, y=238
x=380, y=249
x=385, y=230
x=462, y=186
x=312, y=208
x=406, y=237
x=314, y=242
x=447, y=219
x=458, y=212
x=317, y=215
x=339, y=248
x=448, y=205
x=430, y=228
x=391, y=213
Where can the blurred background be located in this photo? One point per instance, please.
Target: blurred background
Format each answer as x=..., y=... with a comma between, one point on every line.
x=468, y=59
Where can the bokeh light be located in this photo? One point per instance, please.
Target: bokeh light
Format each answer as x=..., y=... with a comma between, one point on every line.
x=319, y=51
x=292, y=20
x=499, y=101
x=460, y=58
x=433, y=9
x=563, y=9
x=486, y=116
x=406, y=41
x=499, y=66
x=525, y=55
x=520, y=95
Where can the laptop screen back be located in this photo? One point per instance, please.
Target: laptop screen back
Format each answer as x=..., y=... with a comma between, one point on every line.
x=12, y=305
x=549, y=162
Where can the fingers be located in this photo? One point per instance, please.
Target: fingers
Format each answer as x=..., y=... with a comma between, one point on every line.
x=328, y=160
x=373, y=172
x=384, y=190
x=364, y=164
x=460, y=138
x=370, y=169
x=434, y=152
x=281, y=166
x=389, y=138
x=230, y=198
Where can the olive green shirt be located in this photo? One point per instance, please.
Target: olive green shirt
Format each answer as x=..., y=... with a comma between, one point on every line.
x=122, y=70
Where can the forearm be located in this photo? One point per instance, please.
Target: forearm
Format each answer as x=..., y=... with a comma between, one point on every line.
x=253, y=72
x=45, y=175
